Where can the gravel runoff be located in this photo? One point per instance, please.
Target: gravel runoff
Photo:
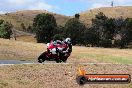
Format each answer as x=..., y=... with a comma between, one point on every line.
x=51, y=75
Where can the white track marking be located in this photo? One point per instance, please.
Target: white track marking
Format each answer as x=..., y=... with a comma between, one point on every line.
x=54, y=63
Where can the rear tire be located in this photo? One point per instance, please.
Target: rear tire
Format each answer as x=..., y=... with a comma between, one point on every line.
x=64, y=60
x=58, y=60
x=41, y=58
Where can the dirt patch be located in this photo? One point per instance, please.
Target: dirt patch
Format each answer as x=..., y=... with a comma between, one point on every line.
x=57, y=75
x=60, y=75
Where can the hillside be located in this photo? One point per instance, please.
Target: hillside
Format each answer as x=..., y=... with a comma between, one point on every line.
x=114, y=12
x=27, y=16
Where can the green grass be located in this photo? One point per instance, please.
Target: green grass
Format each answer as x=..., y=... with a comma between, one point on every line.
x=107, y=58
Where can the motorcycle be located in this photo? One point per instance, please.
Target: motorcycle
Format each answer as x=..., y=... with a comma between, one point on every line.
x=58, y=53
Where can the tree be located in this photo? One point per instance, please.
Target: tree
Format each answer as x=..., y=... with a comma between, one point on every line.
x=129, y=28
x=58, y=37
x=77, y=16
x=103, y=27
x=23, y=27
x=5, y=29
x=44, y=25
x=30, y=29
x=74, y=29
x=121, y=32
x=59, y=30
x=89, y=38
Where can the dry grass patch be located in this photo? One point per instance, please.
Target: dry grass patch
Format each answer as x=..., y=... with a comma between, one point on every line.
x=57, y=75
x=108, y=55
x=112, y=12
x=10, y=49
x=25, y=38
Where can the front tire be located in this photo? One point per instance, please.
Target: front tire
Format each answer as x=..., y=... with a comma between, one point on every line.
x=41, y=58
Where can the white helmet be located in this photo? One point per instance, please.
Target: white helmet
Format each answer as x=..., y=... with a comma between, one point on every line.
x=48, y=44
x=68, y=40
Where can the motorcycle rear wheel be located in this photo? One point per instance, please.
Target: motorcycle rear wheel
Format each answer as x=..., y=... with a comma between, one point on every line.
x=64, y=60
x=41, y=58
x=58, y=60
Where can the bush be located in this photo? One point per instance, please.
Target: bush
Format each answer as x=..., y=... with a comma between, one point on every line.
x=106, y=43
x=5, y=29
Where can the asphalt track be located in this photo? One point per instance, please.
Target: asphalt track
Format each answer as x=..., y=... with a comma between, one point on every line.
x=21, y=62
x=16, y=62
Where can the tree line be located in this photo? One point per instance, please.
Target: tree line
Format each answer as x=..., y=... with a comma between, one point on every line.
x=103, y=32
x=109, y=32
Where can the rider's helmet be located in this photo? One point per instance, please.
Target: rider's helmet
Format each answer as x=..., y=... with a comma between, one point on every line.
x=48, y=44
x=68, y=40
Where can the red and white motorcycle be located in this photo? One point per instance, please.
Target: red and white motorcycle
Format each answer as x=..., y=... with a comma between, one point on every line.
x=58, y=52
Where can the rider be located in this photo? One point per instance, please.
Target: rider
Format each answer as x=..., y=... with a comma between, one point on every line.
x=61, y=46
x=67, y=41
x=58, y=46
